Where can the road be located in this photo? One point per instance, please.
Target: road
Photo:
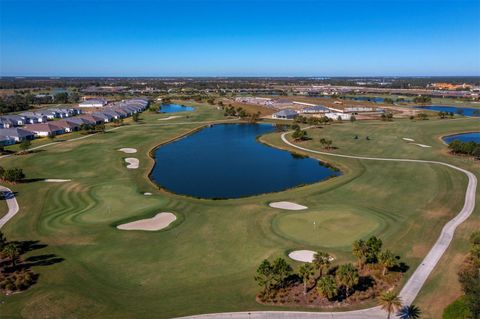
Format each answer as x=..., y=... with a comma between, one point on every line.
x=416, y=281
x=11, y=203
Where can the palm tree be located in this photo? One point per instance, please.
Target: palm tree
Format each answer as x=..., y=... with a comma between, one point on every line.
x=327, y=286
x=11, y=251
x=360, y=250
x=389, y=301
x=321, y=261
x=409, y=312
x=347, y=275
x=306, y=272
x=387, y=260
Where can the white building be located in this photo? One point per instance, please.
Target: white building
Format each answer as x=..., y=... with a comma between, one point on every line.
x=336, y=116
x=285, y=115
x=93, y=103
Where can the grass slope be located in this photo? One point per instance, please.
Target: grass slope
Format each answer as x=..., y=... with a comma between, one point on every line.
x=207, y=262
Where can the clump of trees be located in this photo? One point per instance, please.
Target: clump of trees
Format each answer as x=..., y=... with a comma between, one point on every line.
x=422, y=116
x=312, y=120
x=469, y=277
x=422, y=99
x=387, y=116
x=326, y=143
x=97, y=128
x=466, y=148
x=325, y=283
x=444, y=115
x=241, y=112
x=12, y=175
x=299, y=134
x=12, y=277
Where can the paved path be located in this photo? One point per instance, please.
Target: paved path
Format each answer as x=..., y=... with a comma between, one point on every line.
x=11, y=203
x=416, y=281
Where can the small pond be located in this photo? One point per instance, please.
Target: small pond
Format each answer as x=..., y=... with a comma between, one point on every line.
x=467, y=111
x=226, y=161
x=175, y=108
x=464, y=137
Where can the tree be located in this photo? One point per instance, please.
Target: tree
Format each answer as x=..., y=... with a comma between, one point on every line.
x=25, y=145
x=306, y=272
x=327, y=287
x=281, y=270
x=264, y=276
x=321, y=262
x=422, y=116
x=347, y=275
x=374, y=245
x=409, y=312
x=135, y=117
x=13, y=175
x=390, y=302
x=387, y=260
x=12, y=252
x=3, y=241
x=360, y=250
x=327, y=144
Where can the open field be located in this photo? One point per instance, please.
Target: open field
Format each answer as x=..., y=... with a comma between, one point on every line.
x=207, y=260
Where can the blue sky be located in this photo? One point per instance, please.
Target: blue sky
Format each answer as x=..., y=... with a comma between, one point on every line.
x=239, y=38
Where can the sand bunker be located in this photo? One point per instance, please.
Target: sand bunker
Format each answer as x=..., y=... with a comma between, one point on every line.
x=132, y=162
x=147, y=194
x=158, y=222
x=169, y=118
x=305, y=256
x=287, y=205
x=422, y=145
x=56, y=180
x=128, y=150
x=408, y=139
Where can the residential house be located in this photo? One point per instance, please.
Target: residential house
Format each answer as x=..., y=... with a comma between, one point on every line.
x=67, y=125
x=105, y=116
x=33, y=117
x=44, y=129
x=17, y=134
x=287, y=114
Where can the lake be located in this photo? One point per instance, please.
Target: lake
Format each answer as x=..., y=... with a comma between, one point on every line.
x=226, y=161
x=467, y=111
x=174, y=108
x=464, y=137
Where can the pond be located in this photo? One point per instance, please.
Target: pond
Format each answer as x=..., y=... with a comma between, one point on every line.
x=464, y=137
x=226, y=161
x=467, y=111
x=174, y=108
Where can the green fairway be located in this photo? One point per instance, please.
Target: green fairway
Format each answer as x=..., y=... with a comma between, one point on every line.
x=314, y=228
x=207, y=261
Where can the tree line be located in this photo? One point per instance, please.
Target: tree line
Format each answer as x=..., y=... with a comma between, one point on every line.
x=466, y=148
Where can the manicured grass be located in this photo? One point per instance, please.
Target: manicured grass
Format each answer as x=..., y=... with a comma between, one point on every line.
x=317, y=227
x=207, y=262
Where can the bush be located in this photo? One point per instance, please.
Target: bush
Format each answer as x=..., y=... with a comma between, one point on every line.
x=457, y=310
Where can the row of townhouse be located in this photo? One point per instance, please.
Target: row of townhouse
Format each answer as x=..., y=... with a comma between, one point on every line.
x=40, y=116
x=118, y=110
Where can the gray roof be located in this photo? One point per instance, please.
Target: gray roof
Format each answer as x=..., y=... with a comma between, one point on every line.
x=15, y=132
x=316, y=108
x=287, y=112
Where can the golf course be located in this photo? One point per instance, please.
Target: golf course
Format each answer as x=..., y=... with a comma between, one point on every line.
x=204, y=258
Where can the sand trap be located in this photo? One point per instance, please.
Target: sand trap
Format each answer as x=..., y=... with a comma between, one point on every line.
x=128, y=150
x=169, y=118
x=305, y=256
x=422, y=145
x=408, y=139
x=147, y=194
x=287, y=205
x=132, y=162
x=56, y=180
x=158, y=222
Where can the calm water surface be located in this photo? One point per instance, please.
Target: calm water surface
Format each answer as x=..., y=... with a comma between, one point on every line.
x=467, y=111
x=464, y=137
x=174, y=108
x=226, y=161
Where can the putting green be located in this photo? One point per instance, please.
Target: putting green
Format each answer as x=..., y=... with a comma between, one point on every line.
x=316, y=228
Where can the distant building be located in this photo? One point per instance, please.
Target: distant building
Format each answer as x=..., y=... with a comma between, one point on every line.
x=285, y=114
x=339, y=116
x=93, y=103
x=315, y=109
x=358, y=109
